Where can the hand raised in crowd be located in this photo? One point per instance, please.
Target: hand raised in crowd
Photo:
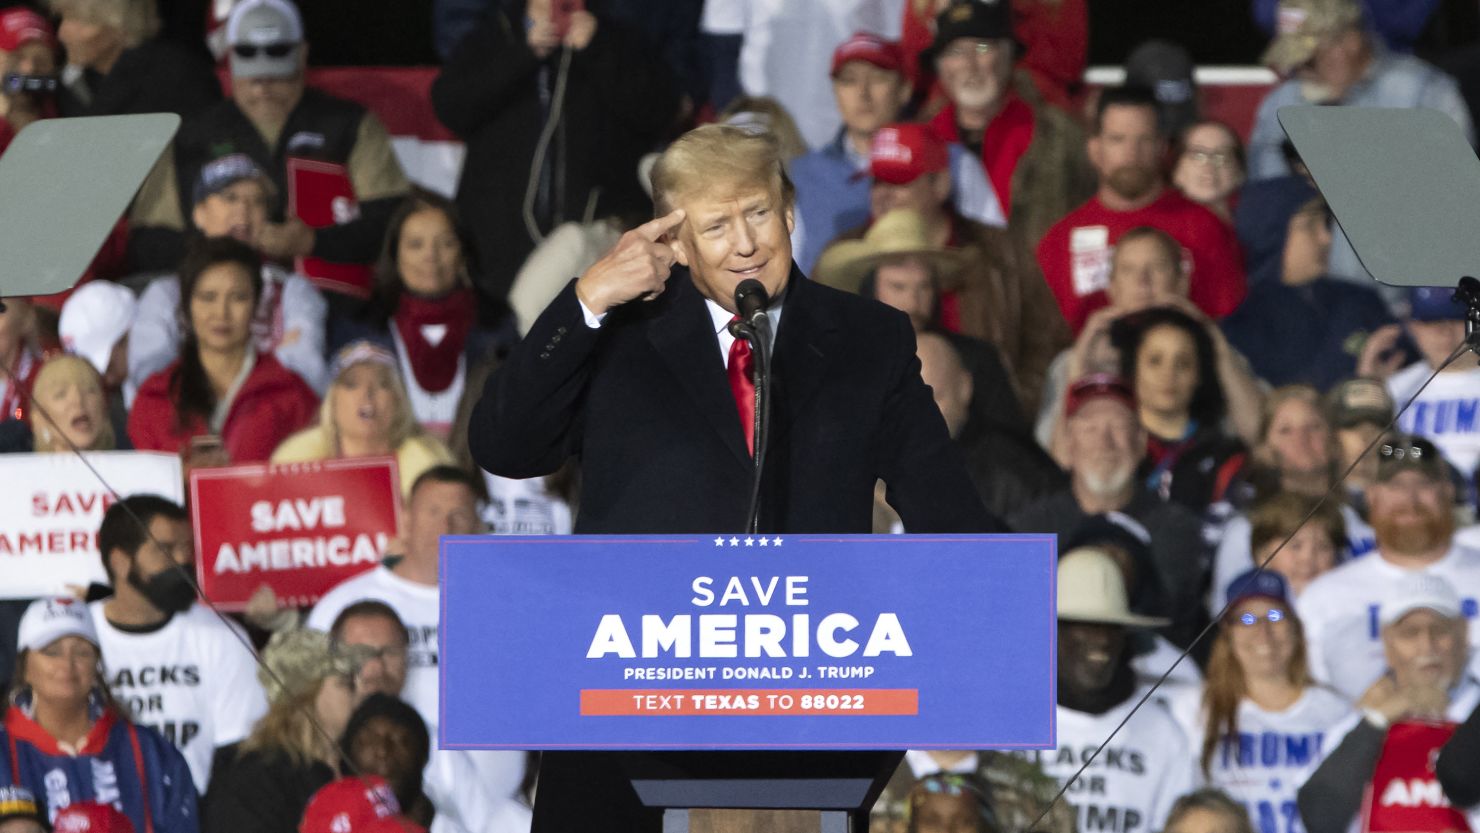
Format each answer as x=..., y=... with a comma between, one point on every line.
x=541, y=35
x=1381, y=357
x=1092, y=352
x=582, y=29
x=1394, y=703
x=637, y=267
x=280, y=241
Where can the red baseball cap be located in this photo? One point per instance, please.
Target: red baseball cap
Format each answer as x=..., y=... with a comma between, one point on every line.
x=91, y=817
x=20, y=25
x=902, y=153
x=866, y=46
x=1098, y=386
x=350, y=805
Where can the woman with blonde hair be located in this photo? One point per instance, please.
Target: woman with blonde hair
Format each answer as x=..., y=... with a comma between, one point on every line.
x=1262, y=721
x=70, y=392
x=66, y=740
x=366, y=413
x=1295, y=457
x=263, y=784
x=124, y=67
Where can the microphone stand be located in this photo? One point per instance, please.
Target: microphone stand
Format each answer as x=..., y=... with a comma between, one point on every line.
x=1468, y=294
x=757, y=331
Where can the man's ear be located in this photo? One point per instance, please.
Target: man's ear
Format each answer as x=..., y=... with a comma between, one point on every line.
x=1092, y=149
x=680, y=248
x=196, y=212
x=118, y=566
x=791, y=220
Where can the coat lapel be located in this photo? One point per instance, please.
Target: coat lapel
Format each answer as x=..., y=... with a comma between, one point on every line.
x=683, y=336
x=806, y=343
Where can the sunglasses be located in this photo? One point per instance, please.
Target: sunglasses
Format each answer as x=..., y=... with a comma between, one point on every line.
x=1274, y=617
x=271, y=50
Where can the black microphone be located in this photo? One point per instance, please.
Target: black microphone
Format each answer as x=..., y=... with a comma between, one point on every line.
x=751, y=300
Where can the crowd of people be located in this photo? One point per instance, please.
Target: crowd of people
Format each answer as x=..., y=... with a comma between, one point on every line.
x=1143, y=335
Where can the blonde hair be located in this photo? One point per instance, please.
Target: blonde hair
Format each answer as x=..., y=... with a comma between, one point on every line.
x=62, y=370
x=288, y=729
x=719, y=155
x=403, y=427
x=138, y=20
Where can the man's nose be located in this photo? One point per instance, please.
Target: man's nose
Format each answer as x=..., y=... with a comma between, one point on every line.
x=744, y=239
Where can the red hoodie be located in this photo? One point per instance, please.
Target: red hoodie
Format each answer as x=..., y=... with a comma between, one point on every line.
x=273, y=402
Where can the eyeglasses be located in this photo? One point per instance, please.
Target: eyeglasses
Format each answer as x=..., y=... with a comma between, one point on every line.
x=1216, y=158
x=271, y=50
x=972, y=50
x=1248, y=620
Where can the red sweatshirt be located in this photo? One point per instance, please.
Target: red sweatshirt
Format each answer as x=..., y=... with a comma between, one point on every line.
x=1075, y=254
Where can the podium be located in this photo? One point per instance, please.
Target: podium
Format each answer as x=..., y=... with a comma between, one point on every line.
x=717, y=684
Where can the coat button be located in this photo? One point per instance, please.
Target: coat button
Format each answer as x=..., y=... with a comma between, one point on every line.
x=544, y=355
x=555, y=339
x=560, y=330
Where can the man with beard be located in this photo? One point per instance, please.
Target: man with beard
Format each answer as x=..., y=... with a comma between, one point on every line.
x=1126, y=150
x=1033, y=153
x=1106, y=443
x=175, y=665
x=1131, y=784
x=1383, y=767
x=1326, y=54
x=1411, y=510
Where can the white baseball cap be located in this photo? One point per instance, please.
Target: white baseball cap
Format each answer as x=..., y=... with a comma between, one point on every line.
x=93, y=320
x=1092, y=589
x=265, y=37
x=48, y=620
x=1419, y=591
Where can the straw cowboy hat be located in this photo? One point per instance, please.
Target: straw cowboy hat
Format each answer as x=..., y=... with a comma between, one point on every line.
x=1092, y=589
x=900, y=233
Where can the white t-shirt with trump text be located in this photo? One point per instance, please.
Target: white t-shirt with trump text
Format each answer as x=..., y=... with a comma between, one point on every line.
x=1273, y=753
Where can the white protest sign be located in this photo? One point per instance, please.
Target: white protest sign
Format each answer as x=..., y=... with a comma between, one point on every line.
x=51, y=506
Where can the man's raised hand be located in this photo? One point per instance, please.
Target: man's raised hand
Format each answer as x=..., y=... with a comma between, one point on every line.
x=637, y=267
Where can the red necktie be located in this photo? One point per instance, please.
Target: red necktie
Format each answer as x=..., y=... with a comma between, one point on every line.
x=742, y=385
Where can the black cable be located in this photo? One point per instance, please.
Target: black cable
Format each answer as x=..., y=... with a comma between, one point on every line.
x=235, y=632
x=1259, y=568
x=542, y=147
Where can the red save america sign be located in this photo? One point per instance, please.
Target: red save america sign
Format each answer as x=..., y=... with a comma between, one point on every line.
x=1404, y=794
x=299, y=528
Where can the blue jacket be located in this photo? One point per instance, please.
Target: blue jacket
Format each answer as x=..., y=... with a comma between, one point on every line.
x=1322, y=322
x=832, y=197
x=131, y=767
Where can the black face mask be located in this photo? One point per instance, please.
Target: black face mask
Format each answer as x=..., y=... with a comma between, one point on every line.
x=169, y=590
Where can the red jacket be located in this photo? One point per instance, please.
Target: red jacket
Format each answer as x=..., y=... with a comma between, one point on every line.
x=272, y=403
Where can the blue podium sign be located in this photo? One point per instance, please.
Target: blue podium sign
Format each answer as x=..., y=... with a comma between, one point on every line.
x=748, y=642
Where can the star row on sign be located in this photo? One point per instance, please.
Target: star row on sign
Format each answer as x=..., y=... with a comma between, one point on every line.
x=748, y=541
